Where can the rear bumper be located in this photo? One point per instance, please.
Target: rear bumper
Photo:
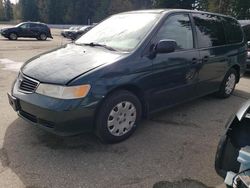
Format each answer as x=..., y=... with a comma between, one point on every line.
x=61, y=117
x=248, y=65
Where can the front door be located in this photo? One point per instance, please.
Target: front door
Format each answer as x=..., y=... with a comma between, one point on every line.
x=175, y=74
x=24, y=30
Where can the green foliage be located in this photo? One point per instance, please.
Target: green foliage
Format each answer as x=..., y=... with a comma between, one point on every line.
x=1, y=11
x=241, y=9
x=8, y=10
x=183, y=4
x=29, y=10
x=81, y=11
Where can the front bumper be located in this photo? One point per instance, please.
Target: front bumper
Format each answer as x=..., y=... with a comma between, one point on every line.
x=4, y=34
x=61, y=117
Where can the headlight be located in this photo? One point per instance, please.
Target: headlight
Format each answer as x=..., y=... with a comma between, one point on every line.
x=61, y=92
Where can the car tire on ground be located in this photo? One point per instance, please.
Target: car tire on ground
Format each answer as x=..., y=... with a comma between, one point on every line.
x=228, y=85
x=118, y=117
x=42, y=37
x=13, y=36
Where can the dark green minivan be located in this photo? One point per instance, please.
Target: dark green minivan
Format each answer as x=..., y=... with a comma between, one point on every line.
x=127, y=67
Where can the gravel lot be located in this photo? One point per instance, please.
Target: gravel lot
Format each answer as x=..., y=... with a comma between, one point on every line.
x=176, y=145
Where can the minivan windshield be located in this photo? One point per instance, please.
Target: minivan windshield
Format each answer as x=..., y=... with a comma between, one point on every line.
x=121, y=32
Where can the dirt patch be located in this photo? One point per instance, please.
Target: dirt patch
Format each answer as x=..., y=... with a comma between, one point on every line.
x=186, y=183
x=85, y=143
x=175, y=123
x=4, y=158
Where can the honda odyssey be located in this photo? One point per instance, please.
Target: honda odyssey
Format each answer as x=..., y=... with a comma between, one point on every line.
x=127, y=67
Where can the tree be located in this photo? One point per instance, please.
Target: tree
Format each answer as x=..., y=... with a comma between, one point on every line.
x=29, y=10
x=1, y=11
x=8, y=10
x=101, y=10
x=183, y=4
x=117, y=6
x=201, y=5
x=241, y=9
x=142, y=4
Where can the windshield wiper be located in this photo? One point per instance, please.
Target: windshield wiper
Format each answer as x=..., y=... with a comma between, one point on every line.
x=93, y=44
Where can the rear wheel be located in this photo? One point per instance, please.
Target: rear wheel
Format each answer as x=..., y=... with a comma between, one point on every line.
x=13, y=36
x=118, y=117
x=42, y=36
x=228, y=84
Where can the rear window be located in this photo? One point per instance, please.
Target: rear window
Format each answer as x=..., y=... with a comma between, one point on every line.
x=233, y=31
x=210, y=30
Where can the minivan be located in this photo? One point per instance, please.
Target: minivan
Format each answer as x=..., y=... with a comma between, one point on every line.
x=127, y=67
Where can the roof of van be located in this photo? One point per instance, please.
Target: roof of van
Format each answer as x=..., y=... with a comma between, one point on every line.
x=162, y=11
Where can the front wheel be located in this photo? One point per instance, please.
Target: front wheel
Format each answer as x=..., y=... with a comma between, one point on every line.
x=228, y=84
x=13, y=36
x=118, y=117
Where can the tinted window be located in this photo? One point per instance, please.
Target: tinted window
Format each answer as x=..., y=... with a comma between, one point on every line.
x=246, y=30
x=233, y=31
x=178, y=28
x=32, y=25
x=210, y=30
x=25, y=26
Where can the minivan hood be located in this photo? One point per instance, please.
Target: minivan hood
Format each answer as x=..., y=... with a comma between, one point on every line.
x=64, y=64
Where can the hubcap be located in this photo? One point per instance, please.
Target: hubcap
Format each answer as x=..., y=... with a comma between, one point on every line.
x=13, y=36
x=43, y=36
x=121, y=118
x=230, y=84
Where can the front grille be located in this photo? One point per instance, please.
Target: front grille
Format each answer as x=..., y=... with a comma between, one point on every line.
x=26, y=84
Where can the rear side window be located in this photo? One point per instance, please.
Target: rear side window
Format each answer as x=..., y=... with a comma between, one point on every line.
x=246, y=30
x=233, y=31
x=210, y=30
x=177, y=27
x=32, y=25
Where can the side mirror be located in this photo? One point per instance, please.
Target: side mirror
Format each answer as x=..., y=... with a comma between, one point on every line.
x=166, y=46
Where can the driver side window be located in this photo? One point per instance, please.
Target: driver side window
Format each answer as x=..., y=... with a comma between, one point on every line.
x=178, y=28
x=25, y=26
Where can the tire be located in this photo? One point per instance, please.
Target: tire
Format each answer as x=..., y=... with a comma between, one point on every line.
x=42, y=37
x=228, y=85
x=118, y=117
x=13, y=36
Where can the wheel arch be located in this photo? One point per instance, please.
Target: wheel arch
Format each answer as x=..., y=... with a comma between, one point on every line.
x=14, y=32
x=137, y=91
